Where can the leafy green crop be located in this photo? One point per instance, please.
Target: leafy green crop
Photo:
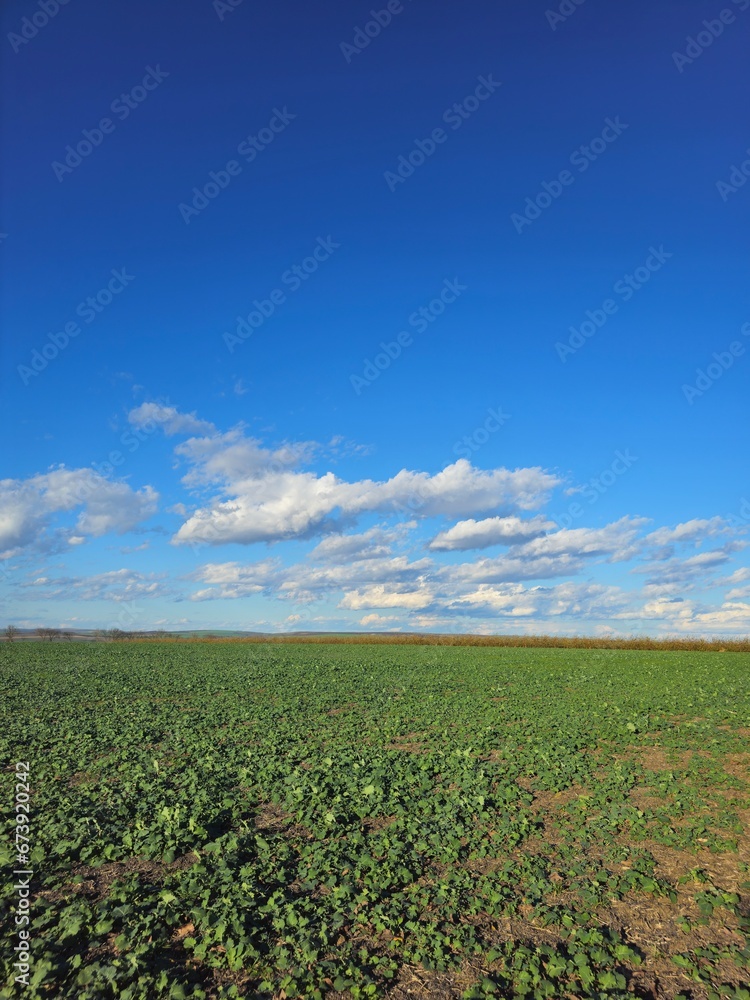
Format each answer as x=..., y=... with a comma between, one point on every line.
x=228, y=820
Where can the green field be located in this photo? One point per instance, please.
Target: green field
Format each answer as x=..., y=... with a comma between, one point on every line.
x=222, y=820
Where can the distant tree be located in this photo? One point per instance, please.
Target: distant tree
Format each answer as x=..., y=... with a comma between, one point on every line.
x=11, y=632
x=46, y=633
x=67, y=634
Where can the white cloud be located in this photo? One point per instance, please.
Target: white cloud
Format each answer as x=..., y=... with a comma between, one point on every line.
x=129, y=549
x=507, y=568
x=243, y=491
x=731, y=615
x=116, y=585
x=171, y=421
x=305, y=582
x=233, y=459
x=684, y=572
x=616, y=540
x=698, y=530
x=283, y=505
x=378, y=621
x=27, y=507
x=740, y=575
x=569, y=600
x=233, y=580
x=264, y=496
x=387, y=596
x=363, y=570
x=473, y=534
x=372, y=544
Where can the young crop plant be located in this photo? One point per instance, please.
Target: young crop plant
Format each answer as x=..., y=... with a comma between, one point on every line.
x=211, y=820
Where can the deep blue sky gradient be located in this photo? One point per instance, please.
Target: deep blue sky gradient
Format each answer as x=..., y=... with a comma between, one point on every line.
x=324, y=176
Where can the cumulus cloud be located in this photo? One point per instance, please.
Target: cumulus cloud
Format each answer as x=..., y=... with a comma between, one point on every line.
x=116, y=585
x=684, y=572
x=617, y=541
x=378, y=621
x=482, y=534
x=244, y=491
x=233, y=459
x=372, y=544
x=696, y=531
x=508, y=568
x=732, y=615
x=366, y=573
x=264, y=495
x=739, y=576
x=27, y=507
x=380, y=595
x=556, y=554
x=512, y=600
x=305, y=582
x=233, y=580
x=284, y=505
x=171, y=421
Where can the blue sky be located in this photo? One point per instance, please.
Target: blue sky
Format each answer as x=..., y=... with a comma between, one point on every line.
x=215, y=215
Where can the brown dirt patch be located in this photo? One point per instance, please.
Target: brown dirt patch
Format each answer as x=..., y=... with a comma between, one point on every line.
x=412, y=982
x=650, y=923
x=737, y=765
x=374, y=823
x=407, y=746
x=95, y=882
x=271, y=818
x=183, y=932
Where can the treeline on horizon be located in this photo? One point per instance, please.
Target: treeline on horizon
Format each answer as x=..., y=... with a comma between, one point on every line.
x=540, y=641
x=408, y=638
